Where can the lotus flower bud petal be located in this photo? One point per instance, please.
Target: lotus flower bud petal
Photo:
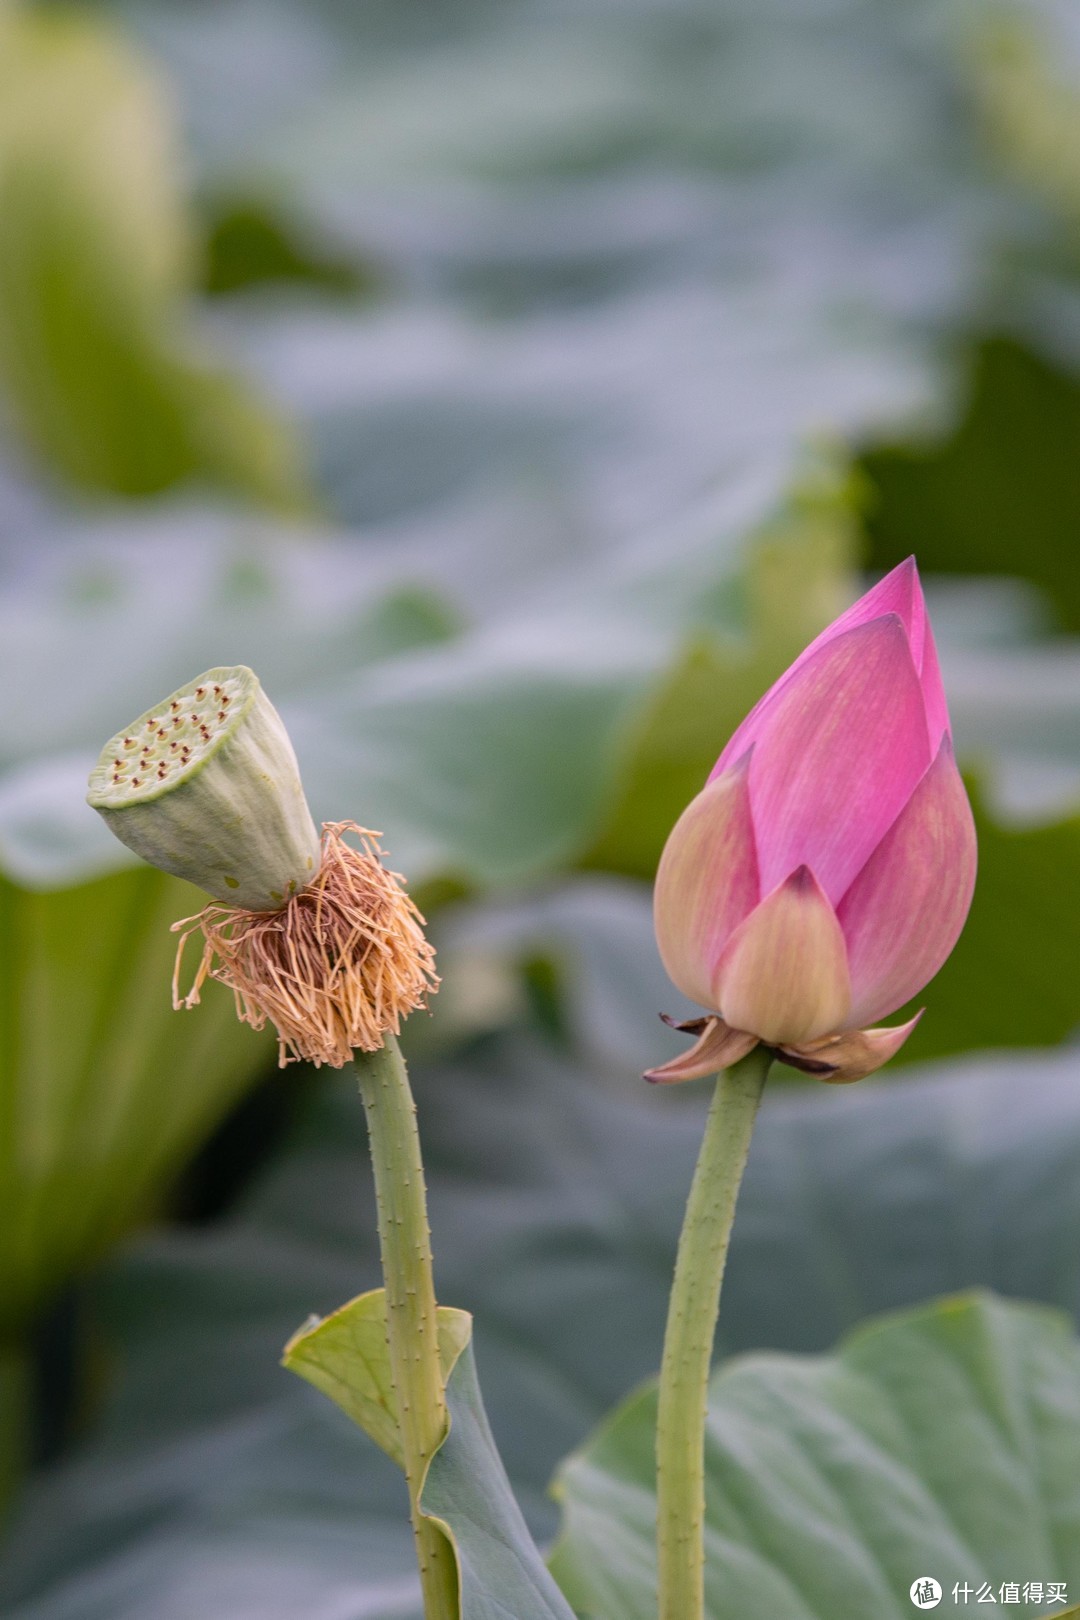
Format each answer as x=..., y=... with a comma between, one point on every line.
x=824, y=873
x=841, y=1059
x=899, y=593
x=717, y=1047
x=205, y=785
x=783, y=974
x=707, y=882
x=836, y=756
x=904, y=912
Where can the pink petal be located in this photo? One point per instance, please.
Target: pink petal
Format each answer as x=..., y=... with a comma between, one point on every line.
x=783, y=974
x=717, y=1047
x=937, y=710
x=706, y=883
x=904, y=911
x=839, y=752
x=840, y=1059
x=899, y=593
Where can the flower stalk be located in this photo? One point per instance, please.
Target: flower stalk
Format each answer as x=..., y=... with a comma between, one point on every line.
x=405, y=1245
x=816, y=883
x=688, y=1339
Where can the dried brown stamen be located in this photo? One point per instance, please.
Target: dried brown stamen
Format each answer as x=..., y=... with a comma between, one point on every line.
x=335, y=969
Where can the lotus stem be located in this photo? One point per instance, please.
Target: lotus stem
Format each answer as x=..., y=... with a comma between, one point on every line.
x=405, y=1244
x=688, y=1340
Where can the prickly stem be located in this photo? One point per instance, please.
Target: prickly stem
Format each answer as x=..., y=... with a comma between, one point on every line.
x=688, y=1340
x=412, y=1335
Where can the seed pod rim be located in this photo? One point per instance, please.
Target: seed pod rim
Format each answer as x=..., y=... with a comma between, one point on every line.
x=103, y=793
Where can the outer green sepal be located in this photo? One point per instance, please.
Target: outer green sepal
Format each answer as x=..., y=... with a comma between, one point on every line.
x=205, y=785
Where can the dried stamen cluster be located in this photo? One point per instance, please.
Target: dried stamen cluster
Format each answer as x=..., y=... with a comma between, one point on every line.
x=337, y=968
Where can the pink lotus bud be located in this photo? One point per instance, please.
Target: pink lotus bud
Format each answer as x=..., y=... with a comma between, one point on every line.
x=823, y=874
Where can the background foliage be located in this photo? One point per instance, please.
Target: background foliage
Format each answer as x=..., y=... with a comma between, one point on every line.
x=517, y=389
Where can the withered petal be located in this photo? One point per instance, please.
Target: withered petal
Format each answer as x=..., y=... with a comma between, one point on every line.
x=841, y=1059
x=717, y=1047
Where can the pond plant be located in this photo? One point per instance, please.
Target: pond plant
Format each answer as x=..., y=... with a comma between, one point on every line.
x=816, y=883
x=322, y=940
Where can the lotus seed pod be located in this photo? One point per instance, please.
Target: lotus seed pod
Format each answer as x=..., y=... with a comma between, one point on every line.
x=205, y=785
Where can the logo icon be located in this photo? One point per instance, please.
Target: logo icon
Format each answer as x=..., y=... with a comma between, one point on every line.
x=925, y=1593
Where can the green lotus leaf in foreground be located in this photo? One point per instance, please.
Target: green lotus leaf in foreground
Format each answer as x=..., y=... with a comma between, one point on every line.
x=466, y=1490
x=942, y=1442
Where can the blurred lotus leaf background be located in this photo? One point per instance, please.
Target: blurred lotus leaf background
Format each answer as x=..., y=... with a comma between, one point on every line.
x=517, y=388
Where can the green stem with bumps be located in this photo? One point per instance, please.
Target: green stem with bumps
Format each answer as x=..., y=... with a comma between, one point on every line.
x=688, y=1340
x=405, y=1243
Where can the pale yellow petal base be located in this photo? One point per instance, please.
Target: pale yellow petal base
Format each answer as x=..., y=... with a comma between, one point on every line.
x=784, y=972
